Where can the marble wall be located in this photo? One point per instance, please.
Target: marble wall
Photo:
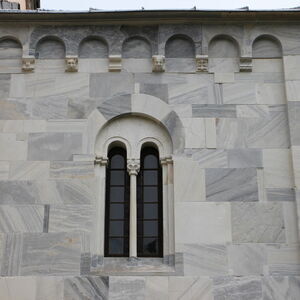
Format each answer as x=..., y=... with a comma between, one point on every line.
x=236, y=153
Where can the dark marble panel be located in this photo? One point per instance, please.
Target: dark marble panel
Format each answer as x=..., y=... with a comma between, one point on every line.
x=136, y=47
x=180, y=47
x=54, y=146
x=214, y=111
x=50, y=48
x=294, y=117
x=10, y=49
x=245, y=158
x=266, y=48
x=231, y=185
x=85, y=263
x=157, y=90
x=93, y=48
x=280, y=194
x=4, y=86
x=46, y=218
x=223, y=48
x=89, y=288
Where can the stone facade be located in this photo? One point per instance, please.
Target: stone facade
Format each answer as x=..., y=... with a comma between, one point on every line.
x=225, y=92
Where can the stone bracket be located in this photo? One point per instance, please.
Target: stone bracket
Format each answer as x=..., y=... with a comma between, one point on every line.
x=202, y=63
x=245, y=64
x=101, y=161
x=28, y=63
x=115, y=63
x=71, y=63
x=158, y=63
x=133, y=166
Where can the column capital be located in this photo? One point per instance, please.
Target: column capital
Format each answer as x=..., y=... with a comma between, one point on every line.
x=101, y=161
x=166, y=160
x=133, y=166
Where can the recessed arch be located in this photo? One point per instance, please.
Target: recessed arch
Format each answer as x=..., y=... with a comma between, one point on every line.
x=180, y=46
x=223, y=46
x=50, y=47
x=266, y=46
x=136, y=47
x=10, y=48
x=93, y=47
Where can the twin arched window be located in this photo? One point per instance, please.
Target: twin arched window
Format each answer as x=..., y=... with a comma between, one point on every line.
x=149, y=205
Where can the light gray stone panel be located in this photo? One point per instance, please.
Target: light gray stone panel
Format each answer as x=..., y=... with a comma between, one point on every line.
x=231, y=185
x=126, y=288
x=21, y=218
x=29, y=170
x=213, y=111
x=136, y=47
x=81, y=108
x=107, y=84
x=49, y=288
x=156, y=287
x=239, y=93
x=93, y=48
x=71, y=218
x=245, y=158
x=19, y=192
x=115, y=106
x=223, y=48
x=157, y=90
x=180, y=47
x=49, y=107
x=182, y=65
x=54, y=146
x=233, y=288
x=247, y=259
x=252, y=111
x=280, y=194
x=257, y=223
x=4, y=86
x=266, y=48
x=12, y=255
x=69, y=170
x=276, y=288
x=209, y=158
x=51, y=254
x=10, y=49
x=13, y=110
x=205, y=260
x=90, y=287
x=294, y=117
x=294, y=283
x=50, y=48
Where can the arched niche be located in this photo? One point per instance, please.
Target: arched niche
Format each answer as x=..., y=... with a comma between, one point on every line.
x=223, y=53
x=136, y=47
x=10, y=48
x=266, y=47
x=93, y=47
x=50, y=47
x=180, y=46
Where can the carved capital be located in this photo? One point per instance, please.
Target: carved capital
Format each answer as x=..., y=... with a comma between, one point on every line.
x=101, y=161
x=245, y=64
x=71, y=63
x=166, y=160
x=133, y=166
x=28, y=63
x=115, y=63
x=158, y=63
x=202, y=63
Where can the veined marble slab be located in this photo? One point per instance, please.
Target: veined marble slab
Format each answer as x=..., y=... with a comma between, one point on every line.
x=270, y=93
x=194, y=132
x=156, y=287
x=244, y=158
x=70, y=169
x=27, y=170
x=239, y=93
x=214, y=111
x=280, y=194
x=252, y=111
x=294, y=117
x=209, y=158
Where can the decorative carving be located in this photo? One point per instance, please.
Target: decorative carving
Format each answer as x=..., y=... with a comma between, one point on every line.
x=166, y=160
x=158, y=63
x=28, y=63
x=102, y=161
x=133, y=166
x=115, y=63
x=245, y=64
x=202, y=63
x=71, y=63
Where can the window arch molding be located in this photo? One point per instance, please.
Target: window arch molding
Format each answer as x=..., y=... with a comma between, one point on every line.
x=147, y=132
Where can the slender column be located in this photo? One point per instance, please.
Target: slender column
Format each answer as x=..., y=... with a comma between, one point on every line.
x=133, y=167
x=164, y=164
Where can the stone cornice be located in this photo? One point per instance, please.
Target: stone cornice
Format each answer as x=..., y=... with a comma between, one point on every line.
x=152, y=17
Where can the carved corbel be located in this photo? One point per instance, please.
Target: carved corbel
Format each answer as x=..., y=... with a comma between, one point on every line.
x=202, y=63
x=133, y=166
x=158, y=63
x=101, y=161
x=28, y=63
x=71, y=63
x=245, y=64
x=115, y=63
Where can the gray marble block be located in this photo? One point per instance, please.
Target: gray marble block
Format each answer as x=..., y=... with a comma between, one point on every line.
x=231, y=185
x=245, y=158
x=280, y=194
x=214, y=111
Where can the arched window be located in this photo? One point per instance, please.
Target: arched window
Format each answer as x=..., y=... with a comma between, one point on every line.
x=117, y=204
x=149, y=201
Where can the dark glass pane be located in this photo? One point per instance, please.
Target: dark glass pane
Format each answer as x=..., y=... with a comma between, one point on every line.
x=150, y=246
x=150, y=177
x=117, y=162
x=116, y=228
x=116, y=246
x=117, y=177
x=117, y=211
x=117, y=194
x=150, y=211
x=150, y=162
x=150, y=194
x=150, y=228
